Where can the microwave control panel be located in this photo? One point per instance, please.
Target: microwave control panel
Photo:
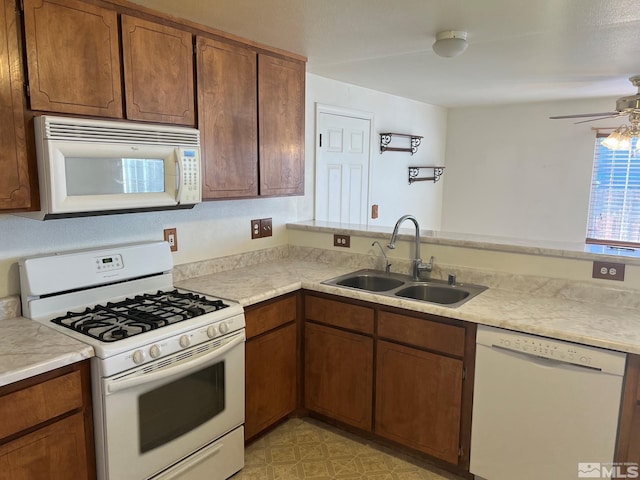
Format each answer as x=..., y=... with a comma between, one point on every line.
x=190, y=191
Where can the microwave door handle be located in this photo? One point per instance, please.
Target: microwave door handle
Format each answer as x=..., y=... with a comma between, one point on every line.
x=114, y=386
x=179, y=179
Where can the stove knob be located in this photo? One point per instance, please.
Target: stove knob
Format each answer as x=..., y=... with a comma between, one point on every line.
x=154, y=351
x=184, y=341
x=211, y=331
x=224, y=327
x=138, y=356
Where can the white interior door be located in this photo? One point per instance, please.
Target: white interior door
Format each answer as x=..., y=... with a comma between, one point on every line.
x=342, y=167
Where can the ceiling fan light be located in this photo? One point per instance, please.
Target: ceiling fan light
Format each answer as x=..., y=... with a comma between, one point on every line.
x=611, y=141
x=450, y=43
x=625, y=143
x=615, y=138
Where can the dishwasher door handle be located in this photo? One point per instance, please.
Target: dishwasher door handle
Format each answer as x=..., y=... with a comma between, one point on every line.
x=545, y=361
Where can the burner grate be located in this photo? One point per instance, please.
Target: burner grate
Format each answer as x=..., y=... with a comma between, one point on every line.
x=142, y=313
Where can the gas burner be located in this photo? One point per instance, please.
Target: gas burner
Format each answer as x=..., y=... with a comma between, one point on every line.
x=142, y=313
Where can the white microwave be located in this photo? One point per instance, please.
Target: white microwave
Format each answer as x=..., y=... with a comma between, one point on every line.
x=97, y=167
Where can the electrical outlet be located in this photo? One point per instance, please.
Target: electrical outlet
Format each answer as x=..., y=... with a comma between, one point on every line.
x=341, y=240
x=171, y=237
x=256, y=231
x=608, y=270
x=265, y=227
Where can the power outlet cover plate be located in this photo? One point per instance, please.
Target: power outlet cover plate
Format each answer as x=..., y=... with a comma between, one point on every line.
x=608, y=271
x=341, y=240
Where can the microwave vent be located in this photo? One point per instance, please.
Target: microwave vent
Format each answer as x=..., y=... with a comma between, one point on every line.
x=119, y=132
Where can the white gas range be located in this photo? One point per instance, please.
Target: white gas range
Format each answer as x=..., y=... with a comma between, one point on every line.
x=168, y=375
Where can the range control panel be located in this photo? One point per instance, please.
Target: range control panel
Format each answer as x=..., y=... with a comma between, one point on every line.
x=111, y=262
x=552, y=349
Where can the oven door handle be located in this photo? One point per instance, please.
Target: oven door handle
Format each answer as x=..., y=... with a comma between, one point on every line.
x=113, y=386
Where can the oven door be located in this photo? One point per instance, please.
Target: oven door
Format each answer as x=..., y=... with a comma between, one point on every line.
x=160, y=413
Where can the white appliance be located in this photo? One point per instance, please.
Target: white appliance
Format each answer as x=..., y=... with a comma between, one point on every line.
x=96, y=167
x=542, y=407
x=168, y=375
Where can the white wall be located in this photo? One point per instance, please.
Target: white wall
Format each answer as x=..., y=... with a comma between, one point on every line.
x=389, y=187
x=512, y=172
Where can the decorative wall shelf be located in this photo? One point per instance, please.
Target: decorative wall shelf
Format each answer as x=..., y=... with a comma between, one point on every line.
x=385, y=140
x=414, y=174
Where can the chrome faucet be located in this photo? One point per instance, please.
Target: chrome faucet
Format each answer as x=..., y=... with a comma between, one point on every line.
x=387, y=265
x=418, y=266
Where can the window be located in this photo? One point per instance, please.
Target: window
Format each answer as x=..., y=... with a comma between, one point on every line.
x=614, y=207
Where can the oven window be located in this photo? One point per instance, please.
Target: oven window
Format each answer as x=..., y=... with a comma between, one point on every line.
x=110, y=176
x=180, y=406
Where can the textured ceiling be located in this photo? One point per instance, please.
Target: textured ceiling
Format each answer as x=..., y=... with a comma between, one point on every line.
x=519, y=51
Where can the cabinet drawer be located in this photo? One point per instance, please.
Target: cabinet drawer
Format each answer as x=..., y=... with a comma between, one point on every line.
x=55, y=452
x=36, y=404
x=340, y=314
x=268, y=317
x=422, y=333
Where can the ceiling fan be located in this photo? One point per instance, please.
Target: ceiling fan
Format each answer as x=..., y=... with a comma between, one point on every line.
x=624, y=106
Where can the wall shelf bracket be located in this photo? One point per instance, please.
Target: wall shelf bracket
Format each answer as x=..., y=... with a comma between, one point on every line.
x=385, y=140
x=414, y=174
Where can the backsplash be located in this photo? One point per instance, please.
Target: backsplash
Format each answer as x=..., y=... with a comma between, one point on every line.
x=231, y=262
x=10, y=307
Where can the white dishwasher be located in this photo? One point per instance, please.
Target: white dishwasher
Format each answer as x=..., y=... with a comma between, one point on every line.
x=542, y=406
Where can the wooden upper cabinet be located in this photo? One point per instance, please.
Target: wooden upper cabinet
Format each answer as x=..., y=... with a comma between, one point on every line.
x=158, y=72
x=15, y=191
x=73, y=57
x=227, y=119
x=281, y=125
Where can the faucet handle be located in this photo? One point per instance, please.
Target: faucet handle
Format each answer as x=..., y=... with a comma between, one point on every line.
x=452, y=279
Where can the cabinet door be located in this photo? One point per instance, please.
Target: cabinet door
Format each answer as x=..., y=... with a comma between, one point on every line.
x=73, y=57
x=419, y=399
x=55, y=452
x=281, y=125
x=271, y=379
x=339, y=374
x=15, y=191
x=628, y=448
x=158, y=72
x=227, y=119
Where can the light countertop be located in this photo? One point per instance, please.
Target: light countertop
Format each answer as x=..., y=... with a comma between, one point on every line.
x=28, y=348
x=551, y=315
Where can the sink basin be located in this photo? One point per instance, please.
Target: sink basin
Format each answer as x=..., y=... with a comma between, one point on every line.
x=445, y=295
x=371, y=282
x=398, y=285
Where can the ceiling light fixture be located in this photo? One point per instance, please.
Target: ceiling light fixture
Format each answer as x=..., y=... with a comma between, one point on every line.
x=450, y=43
x=622, y=137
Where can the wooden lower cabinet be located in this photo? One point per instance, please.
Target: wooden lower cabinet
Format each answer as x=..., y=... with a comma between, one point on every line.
x=406, y=377
x=339, y=374
x=46, y=429
x=54, y=452
x=628, y=448
x=271, y=364
x=419, y=399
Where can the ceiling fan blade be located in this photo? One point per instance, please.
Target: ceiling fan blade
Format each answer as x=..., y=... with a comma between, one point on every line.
x=600, y=118
x=583, y=115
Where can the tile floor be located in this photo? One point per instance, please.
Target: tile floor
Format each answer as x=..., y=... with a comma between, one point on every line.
x=308, y=449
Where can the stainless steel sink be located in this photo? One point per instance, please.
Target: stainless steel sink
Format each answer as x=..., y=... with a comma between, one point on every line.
x=398, y=285
x=374, y=282
x=433, y=293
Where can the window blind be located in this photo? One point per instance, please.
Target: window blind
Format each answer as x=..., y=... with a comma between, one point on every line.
x=614, y=206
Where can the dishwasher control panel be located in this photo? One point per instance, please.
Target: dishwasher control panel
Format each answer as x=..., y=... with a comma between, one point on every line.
x=543, y=347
